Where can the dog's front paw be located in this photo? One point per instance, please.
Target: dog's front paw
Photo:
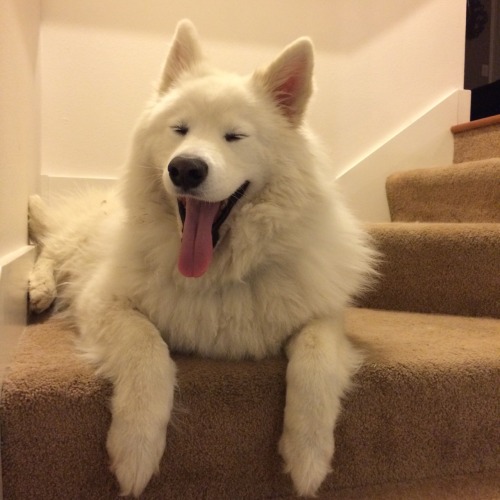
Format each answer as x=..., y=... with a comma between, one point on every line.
x=135, y=451
x=307, y=459
x=42, y=292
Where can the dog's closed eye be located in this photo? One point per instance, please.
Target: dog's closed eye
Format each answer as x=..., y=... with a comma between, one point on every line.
x=233, y=136
x=180, y=129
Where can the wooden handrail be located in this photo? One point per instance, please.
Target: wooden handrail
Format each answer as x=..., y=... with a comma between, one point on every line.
x=483, y=122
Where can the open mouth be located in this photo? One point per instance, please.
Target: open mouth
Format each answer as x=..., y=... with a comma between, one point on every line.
x=201, y=222
x=225, y=208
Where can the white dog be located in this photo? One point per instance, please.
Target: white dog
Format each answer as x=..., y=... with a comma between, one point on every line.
x=225, y=239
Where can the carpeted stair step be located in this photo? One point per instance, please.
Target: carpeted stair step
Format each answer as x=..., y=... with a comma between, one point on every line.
x=423, y=411
x=437, y=268
x=477, y=140
x=467, y=192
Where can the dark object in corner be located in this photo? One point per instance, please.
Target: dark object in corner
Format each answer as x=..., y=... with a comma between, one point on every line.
x=485, y=101
x=477, y=19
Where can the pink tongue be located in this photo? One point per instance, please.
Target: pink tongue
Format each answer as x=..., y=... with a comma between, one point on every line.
x=196, y=247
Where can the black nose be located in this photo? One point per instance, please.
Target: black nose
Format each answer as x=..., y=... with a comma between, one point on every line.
x=187, y=172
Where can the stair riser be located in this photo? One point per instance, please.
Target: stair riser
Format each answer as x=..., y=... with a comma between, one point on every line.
x=438, y=268
x=461, y=193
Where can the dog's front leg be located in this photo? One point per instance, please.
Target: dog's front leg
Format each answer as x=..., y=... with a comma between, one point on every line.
x=42, y=284
x=321, y=364
x=130, y=352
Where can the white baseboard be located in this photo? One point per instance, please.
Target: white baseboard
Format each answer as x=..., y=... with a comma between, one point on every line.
x=14, y=272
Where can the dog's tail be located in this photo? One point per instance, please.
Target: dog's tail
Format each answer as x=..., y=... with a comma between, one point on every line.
x=40, y=219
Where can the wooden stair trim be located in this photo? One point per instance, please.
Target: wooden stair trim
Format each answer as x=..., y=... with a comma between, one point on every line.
x=483, y=122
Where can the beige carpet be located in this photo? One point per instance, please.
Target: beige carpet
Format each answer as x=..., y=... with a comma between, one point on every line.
x=468, y=192
x=425, y=406
x=438, y=268
x=478, y=140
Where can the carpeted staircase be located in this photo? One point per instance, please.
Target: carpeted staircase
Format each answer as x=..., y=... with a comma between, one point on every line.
x=423, y=421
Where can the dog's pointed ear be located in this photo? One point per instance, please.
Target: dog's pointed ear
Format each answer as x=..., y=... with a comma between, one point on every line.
x=184, y=54
x=289, y=79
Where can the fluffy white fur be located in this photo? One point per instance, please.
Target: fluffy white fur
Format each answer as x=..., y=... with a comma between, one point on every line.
x=289, y=258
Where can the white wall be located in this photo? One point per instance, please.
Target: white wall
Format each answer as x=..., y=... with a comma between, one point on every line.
x=19, y=118
x=19, y=157
x=19, y=160
x=380, y=64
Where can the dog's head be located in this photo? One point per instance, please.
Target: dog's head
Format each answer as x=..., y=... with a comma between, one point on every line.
x=215, y=136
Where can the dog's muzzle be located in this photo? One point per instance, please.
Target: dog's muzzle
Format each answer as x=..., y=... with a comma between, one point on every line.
x=201, y=220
